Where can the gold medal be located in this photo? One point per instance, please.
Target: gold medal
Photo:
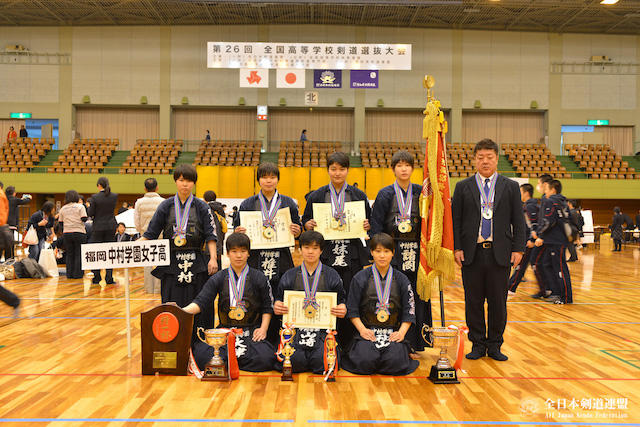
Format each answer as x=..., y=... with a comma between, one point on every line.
x=382, y=316
x=269, y=232
x=404, y=227
x=335, y=224
x=179, y=240
x=232, y=313
x=310, y=312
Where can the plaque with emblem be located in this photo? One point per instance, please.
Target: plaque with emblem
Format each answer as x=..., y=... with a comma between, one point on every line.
x=165, y=334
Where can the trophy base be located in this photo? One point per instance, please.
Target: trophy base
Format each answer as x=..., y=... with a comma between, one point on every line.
x=215, y=373
x=287, y=372
x=331, y=379
x=443, y=375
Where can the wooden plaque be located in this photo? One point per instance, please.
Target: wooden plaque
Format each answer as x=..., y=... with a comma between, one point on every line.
x=166, y=338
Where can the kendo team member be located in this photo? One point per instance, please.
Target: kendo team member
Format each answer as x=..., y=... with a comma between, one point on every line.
x=187, y=222
x=489, y=237
x=311, y=276
x=397, y=213
x=244, y=302
x=536, y=261
x=531, y=221
x=347, y=257
x=551, y=233
x=381, y=307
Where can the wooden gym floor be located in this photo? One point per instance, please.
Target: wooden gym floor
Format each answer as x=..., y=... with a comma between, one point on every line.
x=64, y=362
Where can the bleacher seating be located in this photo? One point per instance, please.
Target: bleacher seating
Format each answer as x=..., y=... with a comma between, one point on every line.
x=85, y=156
x=532, y=160
x=21, y=154
x=460, y=159
x=152, y=156
x=228, y=153
x=309, y=154
x=379, y=154
x=600, y=161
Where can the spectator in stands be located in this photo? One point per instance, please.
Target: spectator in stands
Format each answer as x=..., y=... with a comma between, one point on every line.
x=616, y=229
x=12, y=220
x=101, y=208
x=121, y=236
x=72, y=218
x=219, y=218
x=42, y=221
x=303, y=136
x=145, y=207
x=12, y=133
x=124, y=208
x=208, y=136
x=23, y=132
x=235, y=217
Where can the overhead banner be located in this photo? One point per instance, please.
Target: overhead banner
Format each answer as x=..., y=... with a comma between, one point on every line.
x=256, y=77
x=340, y=56
x=327, y=79
x=364, y=79
x=290, y=78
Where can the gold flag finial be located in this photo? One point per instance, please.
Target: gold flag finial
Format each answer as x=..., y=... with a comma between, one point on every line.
x=429, y=82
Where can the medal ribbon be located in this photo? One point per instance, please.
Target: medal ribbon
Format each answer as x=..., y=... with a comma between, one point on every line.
x=337, y=203
x=237, y=287
x=403, y=204
x=181, y=220
x=268, y=215
x=383, y=294
x=310, y=293
x=487, y=199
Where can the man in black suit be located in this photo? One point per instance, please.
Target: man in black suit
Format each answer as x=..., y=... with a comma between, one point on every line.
x=489, y=237
x=101, y=208
x=121, y=236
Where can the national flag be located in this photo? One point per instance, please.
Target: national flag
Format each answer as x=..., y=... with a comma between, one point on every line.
x=290, y=78
x=254, y=77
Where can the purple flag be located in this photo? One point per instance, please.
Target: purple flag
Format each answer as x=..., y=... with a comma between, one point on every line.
x=364, y=79
x=327, y=79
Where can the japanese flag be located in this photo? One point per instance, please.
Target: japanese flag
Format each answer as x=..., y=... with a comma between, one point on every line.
x=254, y=77
x=291, y=78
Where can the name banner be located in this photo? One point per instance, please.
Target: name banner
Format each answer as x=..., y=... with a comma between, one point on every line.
x=341, y=56
x=145, y=253
x=327, y=79
x=364, y=79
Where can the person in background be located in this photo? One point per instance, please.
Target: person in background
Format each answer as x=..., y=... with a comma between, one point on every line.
x=42, y=221
x=121, y=236
x=72, y=217
x=303, y=136
x=145, y=208
x=208, y=136
x=638, y=219
x=616, y=229
x=576, y=218
x=124, y=208
x=531, y=221
x=101, y=208
x=219, y=218
x=12, y=220
x=6, y=296
x=23, y=132
x=235, y=217
x=12, y=133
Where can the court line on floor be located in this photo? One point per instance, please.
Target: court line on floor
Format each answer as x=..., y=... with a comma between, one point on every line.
x=475, y=423
x=141, y=420
x=628, y=362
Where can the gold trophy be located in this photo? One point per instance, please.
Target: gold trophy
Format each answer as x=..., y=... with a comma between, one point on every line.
x=286, y=336
x=216, y=369
x=442, y=372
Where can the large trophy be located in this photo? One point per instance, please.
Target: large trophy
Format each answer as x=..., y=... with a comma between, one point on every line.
x=330, y=357
x=442, y=372
x=286, y=339
x=216, y=369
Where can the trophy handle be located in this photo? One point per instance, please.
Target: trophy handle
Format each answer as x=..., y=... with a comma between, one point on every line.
x=425, y=335
x=198, y=334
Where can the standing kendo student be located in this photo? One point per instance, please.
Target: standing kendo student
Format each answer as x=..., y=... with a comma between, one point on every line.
x=551, y=234
x=537, y=257
x=187, y=222
x=381, y=306
x=244, y=302
x=349, y=256
x=311, y=276
x=531, y=209
x=396, y=212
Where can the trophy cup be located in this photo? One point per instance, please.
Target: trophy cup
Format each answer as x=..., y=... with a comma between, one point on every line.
x=286, y=338
x=330, y=357
x=442, y=372
x=216, y=369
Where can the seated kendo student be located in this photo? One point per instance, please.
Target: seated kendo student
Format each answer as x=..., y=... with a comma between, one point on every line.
x=244, y=302
x=311, y=276
x=381, y=306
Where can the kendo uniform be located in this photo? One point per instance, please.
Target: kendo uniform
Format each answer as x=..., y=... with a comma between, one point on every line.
x=253, y=356
x=554, y=264
x=384, y=219
x=309, y=342
x=536, y=259
x=182, y=280
x=366, y=357
x=530, y=254
x=347, y=257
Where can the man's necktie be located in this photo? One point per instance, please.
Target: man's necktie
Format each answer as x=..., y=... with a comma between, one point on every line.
x=485, y=231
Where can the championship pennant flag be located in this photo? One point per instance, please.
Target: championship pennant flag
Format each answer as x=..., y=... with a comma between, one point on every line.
x=290, y=78
x=254, y=77
x=436, y=240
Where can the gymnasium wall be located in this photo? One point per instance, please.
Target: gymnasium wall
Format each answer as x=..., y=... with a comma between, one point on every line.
x=503, y=70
